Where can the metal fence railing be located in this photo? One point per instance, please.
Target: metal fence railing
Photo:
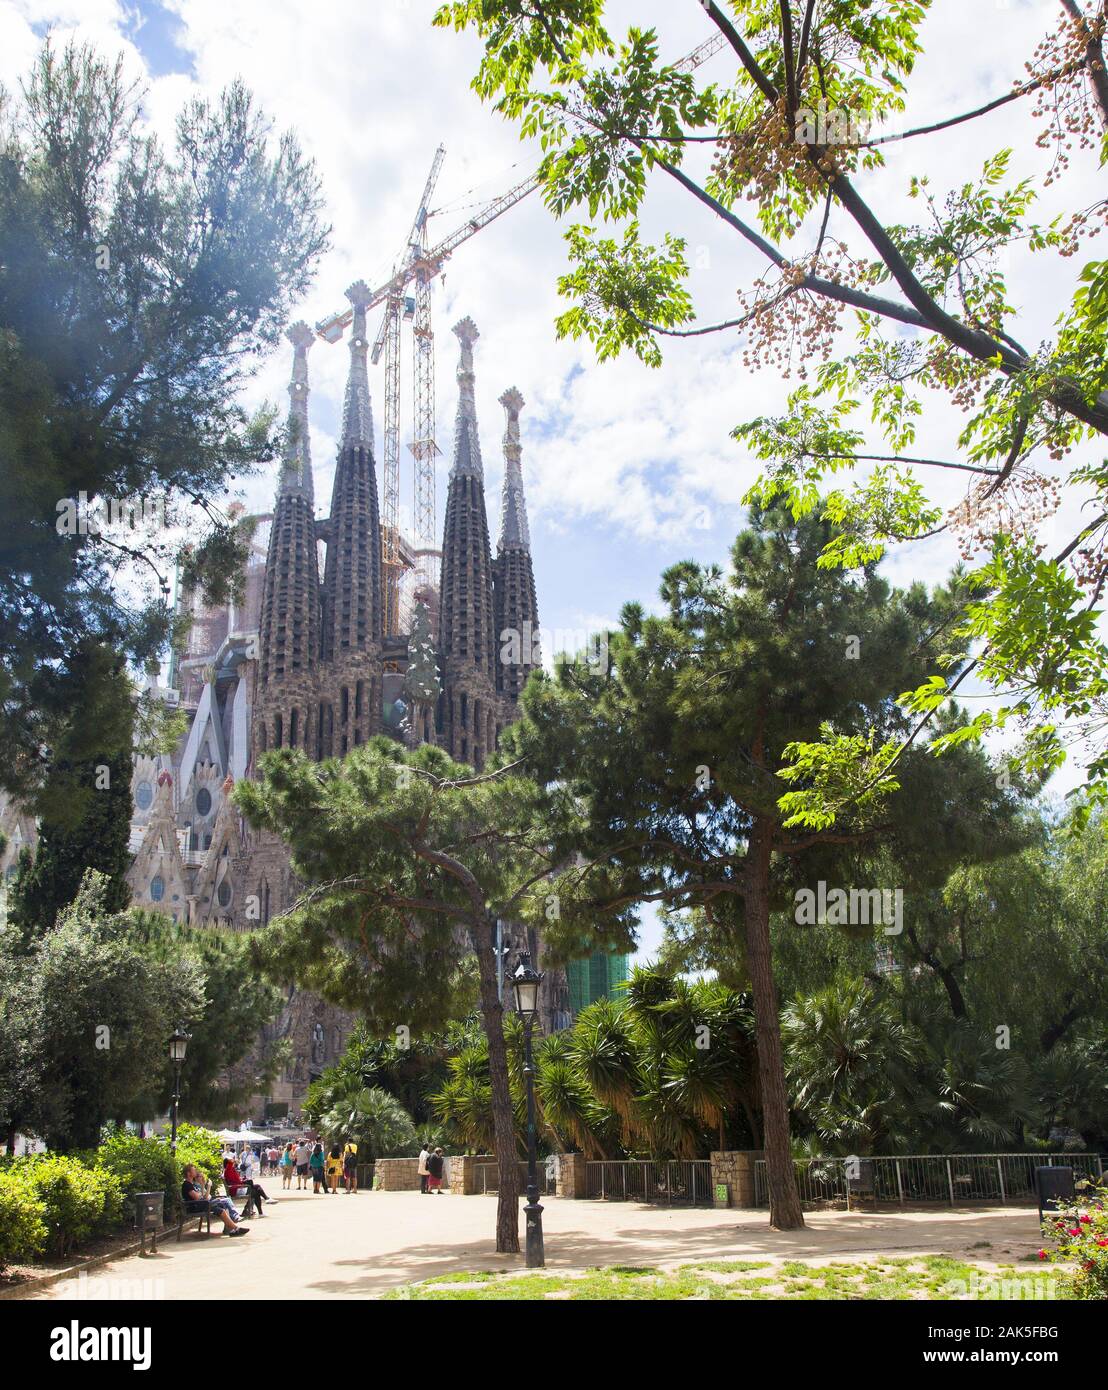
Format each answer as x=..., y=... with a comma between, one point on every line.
x=670, y=1182
x=901, y=1179
x=488, y=1178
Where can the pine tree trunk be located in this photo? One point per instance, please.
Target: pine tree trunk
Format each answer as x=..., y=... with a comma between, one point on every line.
x=785, y=1212
x=503, y=1121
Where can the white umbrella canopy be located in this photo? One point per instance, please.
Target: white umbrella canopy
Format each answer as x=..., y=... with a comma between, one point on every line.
x=241, y=1136
x=227, y=1134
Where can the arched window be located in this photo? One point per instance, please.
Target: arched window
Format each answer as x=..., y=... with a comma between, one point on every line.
x=203, y=801
x=144, y=796
x=358, y=700
x=157, y=888
x=345, y=704
x=261, y=738
x=278, y=731
x=294, y=727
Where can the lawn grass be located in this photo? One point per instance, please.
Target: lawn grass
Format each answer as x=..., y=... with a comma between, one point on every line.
x=925, y=1277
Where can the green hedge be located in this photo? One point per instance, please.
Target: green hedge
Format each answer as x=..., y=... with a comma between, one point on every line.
x=78, y=1201
x=52, y=1203
x=22, y=1227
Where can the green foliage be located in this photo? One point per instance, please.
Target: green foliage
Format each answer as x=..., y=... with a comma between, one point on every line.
x=806, y=107
x=662, y=1072
x=23, y=1233
x=78, y=1201
x=1078, y=1233
x=100, y=793
x=86, y=1008
x=375, y=1120
x=138, y=1165
x=142, y=287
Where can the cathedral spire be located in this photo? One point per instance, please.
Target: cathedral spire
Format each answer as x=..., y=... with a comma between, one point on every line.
x=290, y=596
x=515, y=609
x=467, y=443
x=514, y=532
x=357, y=413
x=466, y=593
x=352, y=575
x=296, y=469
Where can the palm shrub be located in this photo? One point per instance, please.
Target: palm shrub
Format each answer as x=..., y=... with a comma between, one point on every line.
x=850, y=1062
x=374, y=1119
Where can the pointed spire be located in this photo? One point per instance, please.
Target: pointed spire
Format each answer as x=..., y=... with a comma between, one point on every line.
x=296, y=468
x=357, y=413
x=467, y=443
x=514, y=531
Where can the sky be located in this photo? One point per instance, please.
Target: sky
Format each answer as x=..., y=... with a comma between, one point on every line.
x=627, y=469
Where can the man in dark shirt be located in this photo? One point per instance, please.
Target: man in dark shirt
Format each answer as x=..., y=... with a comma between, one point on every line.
x=195, y=1193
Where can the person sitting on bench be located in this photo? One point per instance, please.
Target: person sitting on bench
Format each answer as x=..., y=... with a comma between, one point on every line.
x=238, y=1186
x=196, y=1195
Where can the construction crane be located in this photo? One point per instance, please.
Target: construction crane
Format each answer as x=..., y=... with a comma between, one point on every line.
x=420, y=264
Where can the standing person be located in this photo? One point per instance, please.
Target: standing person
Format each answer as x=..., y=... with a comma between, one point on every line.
x=424, y=1155
x=303, y=1155
x=435, y=1165
x=286, y=1163
x=334, y=1168
x=273, y=1153
x=350, y=1166
x=315, y=1163
x=248, y=1164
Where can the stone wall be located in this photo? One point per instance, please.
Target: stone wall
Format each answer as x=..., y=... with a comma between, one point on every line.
x=734, y=1169
x=396, y=1174
x=571, y=1176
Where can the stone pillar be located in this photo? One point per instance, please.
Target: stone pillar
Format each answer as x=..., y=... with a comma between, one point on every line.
x=734, y=1169
x=465, y=1176
x=571, y=1175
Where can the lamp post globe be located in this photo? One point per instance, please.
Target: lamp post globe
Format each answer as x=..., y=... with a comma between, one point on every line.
x=525, y=984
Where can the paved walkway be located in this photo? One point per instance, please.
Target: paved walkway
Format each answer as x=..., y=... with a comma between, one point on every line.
x=316, y=1248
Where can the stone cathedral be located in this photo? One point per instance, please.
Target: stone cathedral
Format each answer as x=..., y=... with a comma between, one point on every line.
x=305, y=661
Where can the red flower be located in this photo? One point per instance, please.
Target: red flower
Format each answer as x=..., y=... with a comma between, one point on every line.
x=1085, y=1218
x=1043, y=1254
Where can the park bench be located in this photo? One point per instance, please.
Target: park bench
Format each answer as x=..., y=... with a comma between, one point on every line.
x=200, y=1212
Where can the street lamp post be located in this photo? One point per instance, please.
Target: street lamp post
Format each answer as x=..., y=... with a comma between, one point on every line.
x=178, y=1045
x=525, y=982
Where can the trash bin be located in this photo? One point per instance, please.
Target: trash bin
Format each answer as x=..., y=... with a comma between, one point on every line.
x=149, y=1211
x=1053, y=1185
x=861, y=1183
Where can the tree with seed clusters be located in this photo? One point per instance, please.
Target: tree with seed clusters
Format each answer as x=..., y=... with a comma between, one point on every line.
x=407, y=860
x=682, y=751
x=784, y=156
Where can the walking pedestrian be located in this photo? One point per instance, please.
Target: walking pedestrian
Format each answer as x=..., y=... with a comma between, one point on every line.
x=287, y=1163
x=424, y=1155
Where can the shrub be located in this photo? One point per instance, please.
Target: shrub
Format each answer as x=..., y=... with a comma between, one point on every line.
x=141, y=1165
x=78, y=1201
x=1078, y=1231
x=22, y=1228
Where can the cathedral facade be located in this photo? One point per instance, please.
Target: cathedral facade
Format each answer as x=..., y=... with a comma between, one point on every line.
x=306, y=661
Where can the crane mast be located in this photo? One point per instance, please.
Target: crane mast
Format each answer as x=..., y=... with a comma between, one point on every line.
x=420, y=265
